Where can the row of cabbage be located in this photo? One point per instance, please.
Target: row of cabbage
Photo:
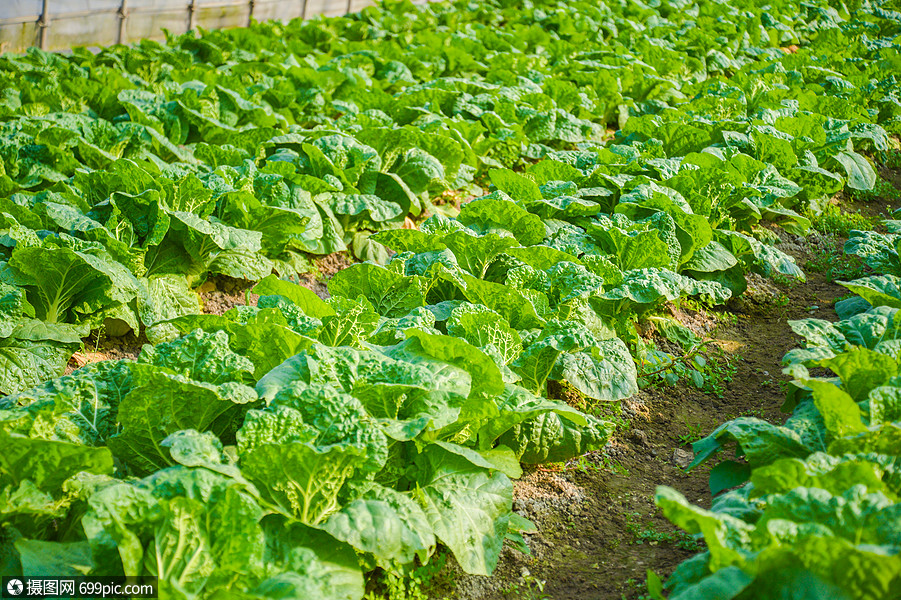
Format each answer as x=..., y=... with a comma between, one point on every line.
x=820, y=514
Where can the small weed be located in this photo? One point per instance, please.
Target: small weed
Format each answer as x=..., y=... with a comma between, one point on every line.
x=647, y=534
x=614, y=466
x=413, y=585
x=835, y=222
x=782, y=300
x=530, y=588
x=722, y=317
x=720, y=371
x=695, y=432
x=892, y=159
x=727, y=318
x=689, y=303
x=786, y=282
x=766, y=379
x=706, y=365
x=582, y=465
x=585, y=465
x=883, y=191
x=698, y=304
x=827, y=257
x=101, y=333
x=613, y=412
x=752, y=412
x=634, y=586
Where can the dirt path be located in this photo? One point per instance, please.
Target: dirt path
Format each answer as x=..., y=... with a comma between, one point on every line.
x=599, y=530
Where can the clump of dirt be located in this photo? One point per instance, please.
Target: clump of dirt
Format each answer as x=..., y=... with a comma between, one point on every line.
x=325, y=269
x=220, y=294
x=126, y=347
x=542, y=493
x=599, y=530
x=330, y=264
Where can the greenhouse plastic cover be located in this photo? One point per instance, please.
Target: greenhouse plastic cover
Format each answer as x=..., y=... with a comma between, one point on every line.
x=99, y=22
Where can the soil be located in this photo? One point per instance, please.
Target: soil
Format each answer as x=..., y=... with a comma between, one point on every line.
x=598, y=528
x=127, y=347
x=220, y=294
x=325, y=268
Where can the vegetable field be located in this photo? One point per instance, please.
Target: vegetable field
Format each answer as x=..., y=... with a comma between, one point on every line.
x=538, y=209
